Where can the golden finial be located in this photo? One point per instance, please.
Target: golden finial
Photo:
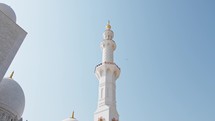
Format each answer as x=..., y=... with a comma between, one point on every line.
x=73, y=115
x=108, y=26
x=11, y=75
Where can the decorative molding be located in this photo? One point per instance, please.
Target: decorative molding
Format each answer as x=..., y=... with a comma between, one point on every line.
x=7, y=116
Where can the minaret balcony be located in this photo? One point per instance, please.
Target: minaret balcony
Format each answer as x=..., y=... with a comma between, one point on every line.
x=105, y=68
x=112, y=63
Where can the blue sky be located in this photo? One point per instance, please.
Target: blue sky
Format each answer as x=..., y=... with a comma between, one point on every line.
x=165, y=50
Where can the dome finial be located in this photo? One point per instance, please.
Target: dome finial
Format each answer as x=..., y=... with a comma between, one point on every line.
x=11, y=75
x=73, y=115
x=108, y=26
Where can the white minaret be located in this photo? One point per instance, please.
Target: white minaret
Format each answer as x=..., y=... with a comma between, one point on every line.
x=107, y=72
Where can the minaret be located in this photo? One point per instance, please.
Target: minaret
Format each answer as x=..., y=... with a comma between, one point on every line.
x=107, y=72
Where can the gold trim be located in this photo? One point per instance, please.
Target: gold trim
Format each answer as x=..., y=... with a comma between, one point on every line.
x=108, y=26
x=73, y=115
x=11, y=75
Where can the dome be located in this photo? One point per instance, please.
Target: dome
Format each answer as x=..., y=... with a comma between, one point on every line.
x=7, y=10
x=12, y=97
x=70, y=119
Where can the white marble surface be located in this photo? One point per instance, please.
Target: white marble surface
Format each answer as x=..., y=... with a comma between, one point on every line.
x=11, y=38
x=7, y=10
x=70, y=119
x=12, y=98
x=107, y=73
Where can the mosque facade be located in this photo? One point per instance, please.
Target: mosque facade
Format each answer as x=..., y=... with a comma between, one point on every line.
x=12, y=98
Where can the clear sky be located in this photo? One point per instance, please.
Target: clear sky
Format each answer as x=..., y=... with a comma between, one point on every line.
x=165, y=49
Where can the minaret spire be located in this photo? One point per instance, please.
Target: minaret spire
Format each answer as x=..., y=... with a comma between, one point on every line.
x=108, y=45
x=107, y=73
x=108, y=26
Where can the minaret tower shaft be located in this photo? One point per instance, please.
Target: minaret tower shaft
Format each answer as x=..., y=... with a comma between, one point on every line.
x=107, y=73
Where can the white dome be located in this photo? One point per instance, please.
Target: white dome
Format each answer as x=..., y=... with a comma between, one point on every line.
x=70, y=119
x=7, y=10
x=12, y=97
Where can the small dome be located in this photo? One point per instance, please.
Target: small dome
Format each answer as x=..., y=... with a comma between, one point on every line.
x=7, y=10
x=12, y=97
x=70, y=119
